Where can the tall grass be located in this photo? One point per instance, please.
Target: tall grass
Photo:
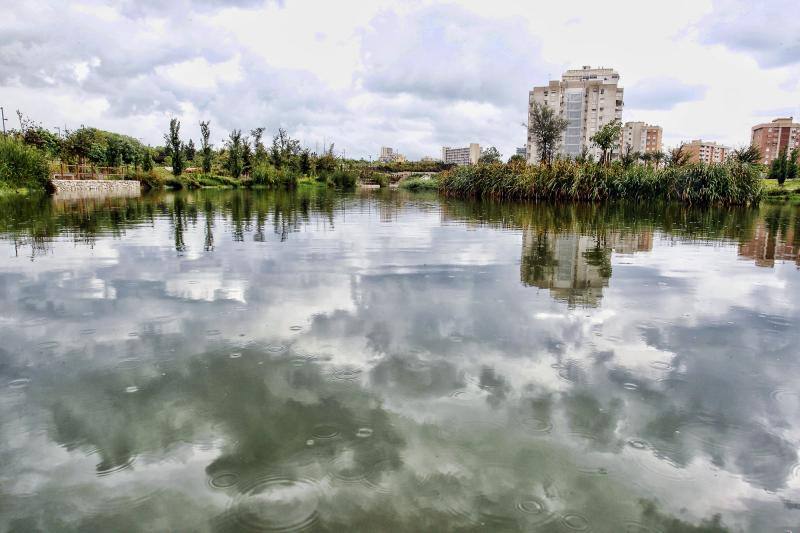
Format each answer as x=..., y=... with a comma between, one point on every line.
x=726, y=184
x=21, y=165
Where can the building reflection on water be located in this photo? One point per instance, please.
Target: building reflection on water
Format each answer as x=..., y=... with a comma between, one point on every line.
x=776, y=237
x=575, y=268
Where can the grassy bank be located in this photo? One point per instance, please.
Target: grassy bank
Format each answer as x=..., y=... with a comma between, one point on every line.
x=789, y=191
x=420, y=184
x=697, y=184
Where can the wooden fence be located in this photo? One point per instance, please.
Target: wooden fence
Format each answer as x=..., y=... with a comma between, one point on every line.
x=62, y=171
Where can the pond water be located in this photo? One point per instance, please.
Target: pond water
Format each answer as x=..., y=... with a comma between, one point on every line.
x=385, y=361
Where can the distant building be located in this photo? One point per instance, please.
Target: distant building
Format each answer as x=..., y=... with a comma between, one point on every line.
x=427, y=159
x=640, y=137
x=773, y=137
x=522, y=150
x=588, y=98
x=388, y=155
x=462, y=156
x=706, y=152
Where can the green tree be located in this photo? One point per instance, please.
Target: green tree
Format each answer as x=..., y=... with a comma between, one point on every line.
x=247, y=156
x=205, y=134
x=190, y=151
x=791, y=165
x=305, y=163
x=259, y=151
x=780, y=167
x=606, y=138
x=629, y=157
x=147, y=160
x=490, y=155
x=173, y=140
x=657, y=157
x=234, y=146
x=679, y=157
x=516, y=159
x=546, y=129
x=750, y=155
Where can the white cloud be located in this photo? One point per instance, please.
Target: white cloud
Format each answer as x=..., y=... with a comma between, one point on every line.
x=412, y=75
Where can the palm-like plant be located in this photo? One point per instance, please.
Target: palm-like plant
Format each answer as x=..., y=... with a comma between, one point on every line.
x=658, y=156
x=749, y=155
x=679, y=156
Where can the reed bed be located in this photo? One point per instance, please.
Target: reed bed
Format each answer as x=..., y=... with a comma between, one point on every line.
x=695, y=184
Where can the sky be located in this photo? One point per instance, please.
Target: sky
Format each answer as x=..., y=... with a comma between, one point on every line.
x=414, y=75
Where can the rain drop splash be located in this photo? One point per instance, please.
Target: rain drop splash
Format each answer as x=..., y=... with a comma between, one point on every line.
x=276, y=504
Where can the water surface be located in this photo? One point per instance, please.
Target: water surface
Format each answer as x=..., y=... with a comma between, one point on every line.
x=379, y=361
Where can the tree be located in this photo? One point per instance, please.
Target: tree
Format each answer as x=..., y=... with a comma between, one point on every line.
x=516, y=159
x=147, y=160
x=284, y=149
x=750, y=155
x=606, y=138
x=546, y=129
x=247, y=156
x=490, y=155
x=679, y=157
x=190, y=151
x=657, y=157
x=629, y=157
x=205, y=134
x=305, y=163
x=235, y=163
x=260, y=152
x=173, y=141
x=791, y=170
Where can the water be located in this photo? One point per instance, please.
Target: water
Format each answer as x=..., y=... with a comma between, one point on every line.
x=379, y=361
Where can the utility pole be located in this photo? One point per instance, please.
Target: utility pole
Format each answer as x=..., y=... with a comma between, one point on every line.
x=3, y=115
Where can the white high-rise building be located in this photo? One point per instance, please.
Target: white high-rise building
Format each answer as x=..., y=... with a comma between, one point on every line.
x=468, y=155
x=588, y=98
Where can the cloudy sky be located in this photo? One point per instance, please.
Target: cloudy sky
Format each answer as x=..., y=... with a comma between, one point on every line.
x=414, y=75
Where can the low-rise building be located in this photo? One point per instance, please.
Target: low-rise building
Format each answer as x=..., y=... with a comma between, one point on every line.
x=773, y=137
x=640, y=137
x=706, y=152
x=462, y=156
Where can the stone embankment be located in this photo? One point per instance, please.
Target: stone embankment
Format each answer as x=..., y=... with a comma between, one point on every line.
x=78, y=188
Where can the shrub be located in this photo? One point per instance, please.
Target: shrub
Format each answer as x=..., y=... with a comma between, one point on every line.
x=22, y=165
x=344, y=179
x=420, y=183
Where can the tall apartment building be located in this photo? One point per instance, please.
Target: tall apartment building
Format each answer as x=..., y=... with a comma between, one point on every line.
x=462, y=156
x=706, y=152
x=588, y=98
x=773, y=137
x=640, y=137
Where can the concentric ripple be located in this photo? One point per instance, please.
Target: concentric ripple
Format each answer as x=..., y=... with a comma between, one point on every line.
x=277, y=504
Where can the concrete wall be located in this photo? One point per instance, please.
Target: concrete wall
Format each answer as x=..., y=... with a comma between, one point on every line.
x=95, y=187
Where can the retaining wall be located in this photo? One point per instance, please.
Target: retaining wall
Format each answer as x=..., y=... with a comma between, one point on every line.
x=95, y=187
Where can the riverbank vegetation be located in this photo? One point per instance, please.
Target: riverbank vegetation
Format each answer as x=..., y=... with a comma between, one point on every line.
x=731, y=183
x=31, y=154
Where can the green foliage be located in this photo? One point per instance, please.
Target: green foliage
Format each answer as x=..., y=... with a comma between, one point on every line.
x=235, y=149
x=784, y=166
x=284, y=150
x=344, y=178
x=490, y=155
x=751, y=155
x=516, y=158
x=205, y=147
x=189, y=150
x=679, y=156
x=264, y=174
x=101, y=148
x=546, y=128
x=305, y=163
x=420, y=183
x=413, y=166
x=606, y=138
x=147, y=160
x=22, y=165
x=729, y=184
x=173, y=140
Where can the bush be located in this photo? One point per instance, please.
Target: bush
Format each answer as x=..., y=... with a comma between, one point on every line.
x=344, y=179
x=420, y=183
x=22, y=165
x=266, y=175
x=149, y=179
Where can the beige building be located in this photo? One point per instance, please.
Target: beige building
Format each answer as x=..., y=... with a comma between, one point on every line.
x=706, y=152
x=462, y=156
x=640, y=137
x=773, y=137
x=588, y=98
x=388, y=155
